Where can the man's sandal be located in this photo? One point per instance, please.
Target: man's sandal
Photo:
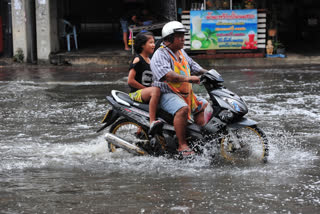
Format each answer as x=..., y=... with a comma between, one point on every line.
x=186, y=154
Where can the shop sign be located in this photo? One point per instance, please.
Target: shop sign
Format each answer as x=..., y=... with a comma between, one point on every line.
x=223, y=29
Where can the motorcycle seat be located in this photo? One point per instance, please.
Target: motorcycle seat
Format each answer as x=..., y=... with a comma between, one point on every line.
x=127, y=98
x=143, y=106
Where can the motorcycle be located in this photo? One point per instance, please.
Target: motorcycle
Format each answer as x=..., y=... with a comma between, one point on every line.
x=227, y=131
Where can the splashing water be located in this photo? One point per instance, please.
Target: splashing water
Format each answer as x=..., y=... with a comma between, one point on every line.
x=53, y=161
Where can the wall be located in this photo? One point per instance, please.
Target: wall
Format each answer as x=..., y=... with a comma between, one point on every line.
x=46, y=27
x=19, y=34
x=47, y=36
x=168, y=9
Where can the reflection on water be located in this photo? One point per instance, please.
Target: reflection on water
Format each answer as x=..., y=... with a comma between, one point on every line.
x=53, y=161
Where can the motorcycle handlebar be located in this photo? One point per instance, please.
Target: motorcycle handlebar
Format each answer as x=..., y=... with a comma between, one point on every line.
x=202, y=79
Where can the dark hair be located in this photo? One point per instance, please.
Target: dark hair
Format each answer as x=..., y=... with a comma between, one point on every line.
x=141, y=40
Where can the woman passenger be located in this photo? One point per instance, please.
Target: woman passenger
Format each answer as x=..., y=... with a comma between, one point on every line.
x=140, y=78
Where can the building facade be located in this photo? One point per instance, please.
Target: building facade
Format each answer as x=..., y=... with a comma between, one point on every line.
x=36, y=24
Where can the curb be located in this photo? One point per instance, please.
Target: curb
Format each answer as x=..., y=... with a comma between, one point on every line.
x=207, y=61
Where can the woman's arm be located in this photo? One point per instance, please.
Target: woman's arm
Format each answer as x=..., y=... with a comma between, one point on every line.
x=132, y=82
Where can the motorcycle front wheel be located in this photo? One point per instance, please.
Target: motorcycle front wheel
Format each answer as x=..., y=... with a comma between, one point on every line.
x=245, y=144
x=128, y=131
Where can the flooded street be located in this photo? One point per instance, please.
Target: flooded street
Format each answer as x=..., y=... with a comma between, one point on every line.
x=53, y=161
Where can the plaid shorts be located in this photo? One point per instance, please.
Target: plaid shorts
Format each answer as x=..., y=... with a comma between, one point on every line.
x=171, y=103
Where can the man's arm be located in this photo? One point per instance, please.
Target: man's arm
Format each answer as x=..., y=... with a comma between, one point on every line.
x=202, y=71
x=195, y=67
x=174, y=77
x=161, y=69
x=160, y=65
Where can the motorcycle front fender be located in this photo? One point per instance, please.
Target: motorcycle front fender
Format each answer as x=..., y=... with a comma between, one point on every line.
x=243, y=122
x=110, y=117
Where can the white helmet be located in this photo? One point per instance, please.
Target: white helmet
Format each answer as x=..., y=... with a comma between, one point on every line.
x=173, y=27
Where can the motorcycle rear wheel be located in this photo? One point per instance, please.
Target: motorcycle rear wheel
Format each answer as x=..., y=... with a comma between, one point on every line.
x=245, y=144
x=128, y=131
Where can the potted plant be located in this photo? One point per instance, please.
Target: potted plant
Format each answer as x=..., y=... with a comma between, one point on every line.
x=19, y=56
x=279, y=47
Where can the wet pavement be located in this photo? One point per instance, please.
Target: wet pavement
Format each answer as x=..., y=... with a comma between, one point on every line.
x=53, y=161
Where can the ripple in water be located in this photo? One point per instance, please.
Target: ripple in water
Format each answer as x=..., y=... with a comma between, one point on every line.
x=285, y=150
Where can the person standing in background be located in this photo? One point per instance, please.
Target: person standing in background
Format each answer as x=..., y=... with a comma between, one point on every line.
x=129, y=17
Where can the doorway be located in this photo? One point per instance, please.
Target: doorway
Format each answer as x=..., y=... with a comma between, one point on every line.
x=98, y=23
x=6, y=29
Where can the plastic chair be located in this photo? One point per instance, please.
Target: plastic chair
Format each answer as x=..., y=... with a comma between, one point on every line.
x=68, y=30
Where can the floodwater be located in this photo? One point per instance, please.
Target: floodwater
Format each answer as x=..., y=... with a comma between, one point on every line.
x=53, y=161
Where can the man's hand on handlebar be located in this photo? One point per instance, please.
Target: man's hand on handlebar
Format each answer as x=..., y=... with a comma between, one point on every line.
x=194, y=79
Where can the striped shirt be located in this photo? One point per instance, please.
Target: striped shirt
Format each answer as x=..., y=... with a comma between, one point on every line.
x=161, y=64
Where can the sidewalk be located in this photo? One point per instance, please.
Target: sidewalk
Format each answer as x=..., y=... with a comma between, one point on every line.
x=5, y=61
x=119, y=59
x=292, y=59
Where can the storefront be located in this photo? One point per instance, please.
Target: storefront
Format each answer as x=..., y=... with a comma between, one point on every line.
x=298, y=25
x=223, y=30
x=41, y=25
x=98, y=22
x=225, y=25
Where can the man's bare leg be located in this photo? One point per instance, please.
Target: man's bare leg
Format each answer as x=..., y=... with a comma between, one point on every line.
x=199, y=118
x=180, y=123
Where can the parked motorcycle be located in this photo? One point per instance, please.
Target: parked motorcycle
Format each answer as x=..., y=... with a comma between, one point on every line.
x=227, y=131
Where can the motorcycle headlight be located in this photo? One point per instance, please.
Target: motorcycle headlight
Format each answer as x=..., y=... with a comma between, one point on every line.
x=233, y=104
x=226, y=116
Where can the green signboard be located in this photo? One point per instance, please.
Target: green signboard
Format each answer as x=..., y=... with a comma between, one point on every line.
x=223, y=29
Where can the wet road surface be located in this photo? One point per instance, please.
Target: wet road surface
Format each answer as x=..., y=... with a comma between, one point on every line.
x=52, y=161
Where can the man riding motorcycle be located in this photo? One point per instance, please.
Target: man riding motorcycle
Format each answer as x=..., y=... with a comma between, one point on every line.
x=172, y=68
x=227, y=131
